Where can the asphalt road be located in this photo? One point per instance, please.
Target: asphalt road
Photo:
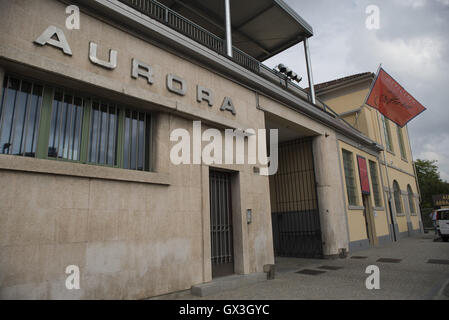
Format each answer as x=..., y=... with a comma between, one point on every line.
x=413, y=277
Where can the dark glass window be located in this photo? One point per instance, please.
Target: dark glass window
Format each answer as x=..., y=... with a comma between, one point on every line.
x=375, y=183
x=20, y=111
x=397, y=197
x=136, y=145
x=411, y=201
x=387, y=134
x=401, y=143
x=103, y=134
x=77, y=129
x=351, y=188
x=66, y=127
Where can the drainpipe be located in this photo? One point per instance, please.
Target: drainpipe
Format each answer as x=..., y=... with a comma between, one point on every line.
x=309, y=71
x=228, y=28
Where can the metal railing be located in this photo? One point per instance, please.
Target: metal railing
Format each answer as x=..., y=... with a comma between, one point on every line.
x=170, y=18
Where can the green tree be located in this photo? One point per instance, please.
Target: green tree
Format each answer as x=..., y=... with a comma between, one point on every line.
x=429, y=181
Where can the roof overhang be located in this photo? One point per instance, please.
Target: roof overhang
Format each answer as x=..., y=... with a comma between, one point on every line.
x=260, y=28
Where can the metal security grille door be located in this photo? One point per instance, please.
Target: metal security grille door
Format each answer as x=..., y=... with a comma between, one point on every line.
x=222, y=250
x=295, y=215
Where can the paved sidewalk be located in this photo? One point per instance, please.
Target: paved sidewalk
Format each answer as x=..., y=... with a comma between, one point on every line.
x=412, y=278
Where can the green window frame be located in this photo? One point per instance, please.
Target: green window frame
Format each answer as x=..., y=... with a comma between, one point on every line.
x=387, y=133
x=401, y=143
x=375, y=184
x=20, y=109
x=351, y=189
x=72, y=127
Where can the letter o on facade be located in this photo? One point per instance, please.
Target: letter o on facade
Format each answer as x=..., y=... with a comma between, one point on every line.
x=180, y=88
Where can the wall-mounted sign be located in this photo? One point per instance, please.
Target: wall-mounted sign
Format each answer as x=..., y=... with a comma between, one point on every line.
x=363, y=174
x=441, y=200
x=55, y=37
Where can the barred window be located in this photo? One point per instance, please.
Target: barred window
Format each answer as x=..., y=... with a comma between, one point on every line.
x=397, y=197
x=375, y=183
x=20, y=111
x=387, y=133
x=51, y=123
x=348, y=164
x=103, y=134
x=136, y=154
x=401, y=143
x=411, y=201
x=66, y=126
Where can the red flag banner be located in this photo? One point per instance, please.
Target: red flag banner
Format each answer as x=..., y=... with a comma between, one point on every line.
x=393, y=101
x=363, y=174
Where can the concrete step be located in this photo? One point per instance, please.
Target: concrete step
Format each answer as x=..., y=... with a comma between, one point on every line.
x=227, y=283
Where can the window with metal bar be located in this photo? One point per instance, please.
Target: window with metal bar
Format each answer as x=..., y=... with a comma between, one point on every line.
x=351, y=189
x=103, y=134
x=375, y=184
x=136, y=144
x=58, y=125
x=401, y=143
x=66, y=127
x=20, y=111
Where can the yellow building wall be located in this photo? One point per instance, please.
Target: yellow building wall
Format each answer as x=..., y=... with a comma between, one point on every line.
x=356, y=219
x=346, y=99
x=368, y=120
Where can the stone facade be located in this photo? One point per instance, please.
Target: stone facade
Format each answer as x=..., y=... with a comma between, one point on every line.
x=137, y=234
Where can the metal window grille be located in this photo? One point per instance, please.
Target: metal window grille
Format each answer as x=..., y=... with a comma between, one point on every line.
x=222, y=250
x=66, y=127
x=137, y=137
x=294, y=202
x=375, y=183
x=350, y=177
x=103, y=134
x=20, y=111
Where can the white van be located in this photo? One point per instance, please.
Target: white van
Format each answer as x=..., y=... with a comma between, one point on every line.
x=443, y=224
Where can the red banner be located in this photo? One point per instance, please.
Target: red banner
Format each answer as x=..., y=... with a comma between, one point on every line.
x=393, y=101
x=363, y=174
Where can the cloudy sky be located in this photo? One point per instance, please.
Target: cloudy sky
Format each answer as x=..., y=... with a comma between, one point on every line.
x=412, y=44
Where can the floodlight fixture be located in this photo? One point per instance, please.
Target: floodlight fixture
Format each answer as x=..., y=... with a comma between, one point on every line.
x=282, y=68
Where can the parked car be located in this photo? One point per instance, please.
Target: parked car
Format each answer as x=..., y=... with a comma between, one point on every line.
x=443, y=224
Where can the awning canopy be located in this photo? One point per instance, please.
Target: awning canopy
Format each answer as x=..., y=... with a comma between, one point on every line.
x=260, y=28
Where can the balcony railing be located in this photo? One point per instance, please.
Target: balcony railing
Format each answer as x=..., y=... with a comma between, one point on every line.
x=170, y=18
x=177, y=22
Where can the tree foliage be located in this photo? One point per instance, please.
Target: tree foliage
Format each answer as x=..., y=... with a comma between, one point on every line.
x=430, y=182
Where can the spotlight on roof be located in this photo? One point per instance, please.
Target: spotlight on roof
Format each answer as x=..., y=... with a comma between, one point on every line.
x=289, y=73
x=282, y=68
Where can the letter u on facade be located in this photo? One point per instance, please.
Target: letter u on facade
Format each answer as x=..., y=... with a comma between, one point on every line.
x=111, y=64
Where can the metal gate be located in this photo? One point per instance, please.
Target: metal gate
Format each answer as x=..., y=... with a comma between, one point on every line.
x=221, y=224
x=295, y=215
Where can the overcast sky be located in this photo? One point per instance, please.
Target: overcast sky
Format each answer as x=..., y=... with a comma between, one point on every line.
x=412, y=44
